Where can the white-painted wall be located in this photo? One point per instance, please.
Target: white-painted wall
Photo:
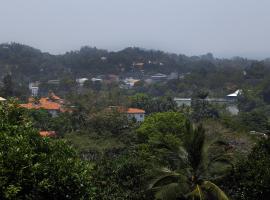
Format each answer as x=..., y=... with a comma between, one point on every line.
x=138, y=116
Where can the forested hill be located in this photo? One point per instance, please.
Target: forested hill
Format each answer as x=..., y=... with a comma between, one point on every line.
x=26, y=63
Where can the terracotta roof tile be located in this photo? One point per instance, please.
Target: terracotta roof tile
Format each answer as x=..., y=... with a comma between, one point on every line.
x=127, y=110
x=44, y=103
x=135, y=111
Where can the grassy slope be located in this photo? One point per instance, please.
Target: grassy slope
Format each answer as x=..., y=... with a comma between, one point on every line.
x=84, y=142
x=241, y=143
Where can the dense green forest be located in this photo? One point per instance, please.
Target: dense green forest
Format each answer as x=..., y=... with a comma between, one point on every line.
x=219, y=76
x=200, y=151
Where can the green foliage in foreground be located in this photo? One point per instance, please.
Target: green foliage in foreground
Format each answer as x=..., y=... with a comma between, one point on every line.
x=124, y=177
x=162, y=124
x=184, y=163
x=252, y=177
x=158, y=133
x=196, y=169
x=36, y=168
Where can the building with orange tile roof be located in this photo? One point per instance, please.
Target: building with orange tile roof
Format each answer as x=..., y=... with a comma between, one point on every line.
x=135, y=113
x=53, y=104
x=132, y=113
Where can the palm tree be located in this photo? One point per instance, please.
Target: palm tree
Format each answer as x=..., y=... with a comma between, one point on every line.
x=196, y=170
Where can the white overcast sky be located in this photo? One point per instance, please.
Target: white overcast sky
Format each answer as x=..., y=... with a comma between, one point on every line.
x=226, y=28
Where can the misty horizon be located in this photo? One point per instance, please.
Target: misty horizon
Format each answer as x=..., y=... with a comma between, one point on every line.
x=224, y=28
x=141, y=48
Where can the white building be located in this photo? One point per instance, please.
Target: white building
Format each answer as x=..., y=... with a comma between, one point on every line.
x=183, y=101
x=131, y=113
x=34, y=91
x=159, y=76
x=96, y=79
x=33, y=87
x=130, y=82
x=81, y=81
x=103, y=58
x=139, y=64
x=54, y=82
x=233, y=96
x=135, y=113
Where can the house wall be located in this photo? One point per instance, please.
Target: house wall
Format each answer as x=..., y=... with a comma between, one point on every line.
x=34, y=91
x=138, y=117
x=182, y=101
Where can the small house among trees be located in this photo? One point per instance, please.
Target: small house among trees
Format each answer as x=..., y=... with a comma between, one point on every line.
x=131, y=113
x=135, y=113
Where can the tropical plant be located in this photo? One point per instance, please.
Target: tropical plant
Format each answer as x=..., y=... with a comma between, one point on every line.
x=251, y=179
x=123, y=177
x=197, y=169
x=160, y=132
x=33, y=167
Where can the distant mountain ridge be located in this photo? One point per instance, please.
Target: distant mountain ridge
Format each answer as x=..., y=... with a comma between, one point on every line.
x=26, y=63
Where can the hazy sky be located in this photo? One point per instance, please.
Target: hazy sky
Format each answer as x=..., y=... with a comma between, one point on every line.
x=224, y=27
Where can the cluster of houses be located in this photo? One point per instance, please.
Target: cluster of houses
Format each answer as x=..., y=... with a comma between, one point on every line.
x=125, y=82
x=129, y=82
x=54, y=105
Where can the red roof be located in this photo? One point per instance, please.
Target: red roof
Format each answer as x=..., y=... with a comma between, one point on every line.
x=43, y=103
x=135, y=111
x=127, y=110
x=47, y=133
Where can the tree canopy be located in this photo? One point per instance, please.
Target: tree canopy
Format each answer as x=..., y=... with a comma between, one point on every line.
x=33, y=167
